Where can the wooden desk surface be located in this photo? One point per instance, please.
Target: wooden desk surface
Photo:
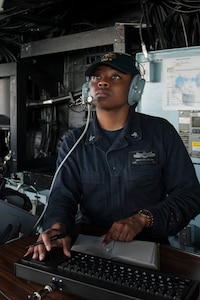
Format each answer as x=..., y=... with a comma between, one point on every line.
x=17, y=288
x=172, y=260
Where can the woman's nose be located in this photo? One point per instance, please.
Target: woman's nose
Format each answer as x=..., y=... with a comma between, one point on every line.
x=103, y=83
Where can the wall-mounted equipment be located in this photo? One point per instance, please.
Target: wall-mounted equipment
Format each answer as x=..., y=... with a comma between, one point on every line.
x=42, y=91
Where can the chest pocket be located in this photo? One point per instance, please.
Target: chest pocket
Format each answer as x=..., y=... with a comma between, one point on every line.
x=145, y=176
x=94, y=192
x=92, y=177
x=93, y=182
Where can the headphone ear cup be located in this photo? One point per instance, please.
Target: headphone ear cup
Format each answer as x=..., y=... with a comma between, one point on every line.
x=136, y=89
x=85, y=91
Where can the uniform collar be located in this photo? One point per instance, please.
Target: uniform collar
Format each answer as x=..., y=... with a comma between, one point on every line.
x=132, y=130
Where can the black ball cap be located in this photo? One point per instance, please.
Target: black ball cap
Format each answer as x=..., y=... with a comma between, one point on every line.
x=122, y=62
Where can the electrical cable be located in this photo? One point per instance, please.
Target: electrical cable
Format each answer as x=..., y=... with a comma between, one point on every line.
x=147, y=21
x=27, y=21
x=172, y=23
x=61, y=164
x=184, y=31
x=4, y=295
x=41, y=294
x=184, y=4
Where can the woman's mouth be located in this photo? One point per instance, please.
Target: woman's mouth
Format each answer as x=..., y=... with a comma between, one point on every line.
x=102, y=94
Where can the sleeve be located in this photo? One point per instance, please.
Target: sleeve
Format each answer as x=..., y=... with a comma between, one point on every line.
x=66, y=190
x=182, y=201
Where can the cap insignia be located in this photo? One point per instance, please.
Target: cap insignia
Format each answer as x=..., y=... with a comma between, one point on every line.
x=108, y=57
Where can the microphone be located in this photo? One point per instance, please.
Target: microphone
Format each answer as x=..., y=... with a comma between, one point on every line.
x=86, y=98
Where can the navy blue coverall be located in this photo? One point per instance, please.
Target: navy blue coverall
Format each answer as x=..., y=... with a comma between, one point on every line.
x=146, y=167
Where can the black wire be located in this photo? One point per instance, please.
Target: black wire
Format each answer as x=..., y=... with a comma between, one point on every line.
x=193, y=32
x=172, y=23
x=169, y=23
x=4, y=295
x=146, y=18
x=179, y=7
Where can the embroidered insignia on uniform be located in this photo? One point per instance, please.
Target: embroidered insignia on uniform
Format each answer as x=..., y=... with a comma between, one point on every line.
x=91, y=138
x=143, y=157
x=144, y=154
x=134, y=134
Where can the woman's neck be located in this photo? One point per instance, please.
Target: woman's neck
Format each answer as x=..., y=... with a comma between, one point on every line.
x=112, y=120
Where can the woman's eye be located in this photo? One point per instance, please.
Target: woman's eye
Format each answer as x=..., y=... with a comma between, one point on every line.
x=115, y=76
x=95, y=77
x=99, y=77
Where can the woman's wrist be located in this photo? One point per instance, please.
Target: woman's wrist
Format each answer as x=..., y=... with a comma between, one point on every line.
x=148, y=216
x=59, y=226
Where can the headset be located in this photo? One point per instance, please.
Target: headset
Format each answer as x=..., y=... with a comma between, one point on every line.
x=136, y=89
x=134, y=95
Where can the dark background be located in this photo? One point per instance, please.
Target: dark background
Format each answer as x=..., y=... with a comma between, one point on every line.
x=28, y=80
x=168, y=23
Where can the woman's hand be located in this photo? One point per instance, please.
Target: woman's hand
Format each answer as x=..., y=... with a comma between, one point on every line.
x=125, y=230
x=39, y=251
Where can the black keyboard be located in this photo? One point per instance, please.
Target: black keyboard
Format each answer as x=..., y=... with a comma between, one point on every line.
x=96, y=278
